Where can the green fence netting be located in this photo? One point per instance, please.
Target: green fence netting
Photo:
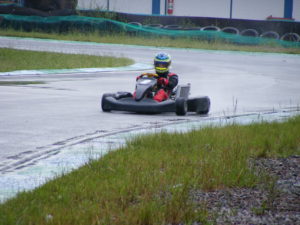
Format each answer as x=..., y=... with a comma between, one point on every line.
x=90, y=24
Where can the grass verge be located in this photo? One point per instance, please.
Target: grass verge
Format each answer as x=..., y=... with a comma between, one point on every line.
x=150, y=41
x=32, y=60
x=13, y=83
x=150, y=180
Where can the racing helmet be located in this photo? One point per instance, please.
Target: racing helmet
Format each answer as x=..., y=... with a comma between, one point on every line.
x=162, y=61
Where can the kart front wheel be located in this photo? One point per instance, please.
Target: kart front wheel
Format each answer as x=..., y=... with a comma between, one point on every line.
x=181, y=106
x=104, y=104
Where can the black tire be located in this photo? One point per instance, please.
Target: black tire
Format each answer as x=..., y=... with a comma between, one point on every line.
x=250, y=33
x=203, y=106
x=104, y=105
x=290, y=37
x=181, y=106
x=210, y=28
x=199, y=105
x=154, y=25
x=136, y=24
x=270, y=34
x=172, y=27
x=231, y=30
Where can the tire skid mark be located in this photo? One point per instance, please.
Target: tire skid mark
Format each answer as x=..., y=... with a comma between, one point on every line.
x=30, y=158
x=52, y=161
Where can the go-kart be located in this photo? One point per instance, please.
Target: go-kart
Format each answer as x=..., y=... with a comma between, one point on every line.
x=142, y=102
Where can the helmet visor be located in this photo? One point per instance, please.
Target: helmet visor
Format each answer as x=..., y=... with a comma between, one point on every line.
x=164, y=65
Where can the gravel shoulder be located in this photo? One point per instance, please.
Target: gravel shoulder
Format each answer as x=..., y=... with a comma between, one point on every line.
x=277, y=201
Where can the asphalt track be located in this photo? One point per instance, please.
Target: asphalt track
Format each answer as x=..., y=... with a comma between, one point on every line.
x=35, y=119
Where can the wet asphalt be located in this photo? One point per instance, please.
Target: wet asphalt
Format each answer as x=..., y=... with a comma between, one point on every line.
x=66, y=109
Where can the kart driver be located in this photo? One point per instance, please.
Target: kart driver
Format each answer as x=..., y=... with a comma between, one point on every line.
x=166, y=80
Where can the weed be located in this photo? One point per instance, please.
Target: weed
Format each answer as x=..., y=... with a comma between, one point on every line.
x=21, y=60
x=149, y=40
x=149, y=181
x=12, y=83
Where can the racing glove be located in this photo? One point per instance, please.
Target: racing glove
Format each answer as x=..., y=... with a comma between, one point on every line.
x=163, y=81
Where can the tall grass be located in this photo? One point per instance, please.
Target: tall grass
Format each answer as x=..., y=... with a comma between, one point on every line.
x=29, y=60
x=122, y=38
x=150, y=180
x=13, y=83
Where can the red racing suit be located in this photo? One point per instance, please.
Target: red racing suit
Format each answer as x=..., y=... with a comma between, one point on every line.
x=166, y=82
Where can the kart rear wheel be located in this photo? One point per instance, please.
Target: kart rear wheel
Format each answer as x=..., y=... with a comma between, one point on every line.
x=104, y=105
x=181, y=106
x=199, y=105
x=203, y=106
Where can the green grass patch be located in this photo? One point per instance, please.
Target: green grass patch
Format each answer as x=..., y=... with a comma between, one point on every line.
x=33, y=60
x=149, y=181
x=13, y=83
x=122, y=38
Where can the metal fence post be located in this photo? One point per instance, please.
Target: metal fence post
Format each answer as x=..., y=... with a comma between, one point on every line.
x=231, y=2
